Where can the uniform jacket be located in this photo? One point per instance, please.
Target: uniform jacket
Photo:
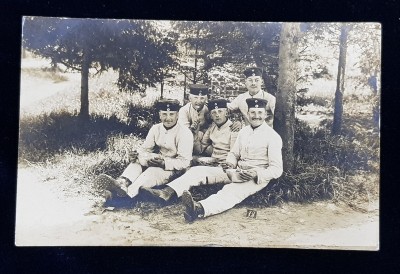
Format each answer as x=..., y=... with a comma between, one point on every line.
x=259, y=149
x=188, y=114
x=221, y=138
x=175, y=145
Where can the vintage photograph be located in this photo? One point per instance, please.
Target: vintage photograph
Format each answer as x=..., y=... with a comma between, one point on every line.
x=199, y=133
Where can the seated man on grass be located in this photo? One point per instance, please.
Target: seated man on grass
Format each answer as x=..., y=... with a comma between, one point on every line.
x=175, y=145
x=220, y=136
x=254, y=160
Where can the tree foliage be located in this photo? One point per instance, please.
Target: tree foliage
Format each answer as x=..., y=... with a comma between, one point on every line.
x=214, y=44
x=133, y=47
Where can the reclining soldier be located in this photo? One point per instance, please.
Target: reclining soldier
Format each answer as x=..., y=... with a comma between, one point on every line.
x=175, y=144
x=254, y=160
x=220, y=136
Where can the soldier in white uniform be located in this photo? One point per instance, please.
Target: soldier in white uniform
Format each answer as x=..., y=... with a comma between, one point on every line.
x=195, y=114
x=253, y=84
x=208, y=172
x=175, y=143
x=257, y=158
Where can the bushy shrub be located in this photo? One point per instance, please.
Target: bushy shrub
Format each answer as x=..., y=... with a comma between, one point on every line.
x=141, y=118
x=324, y=165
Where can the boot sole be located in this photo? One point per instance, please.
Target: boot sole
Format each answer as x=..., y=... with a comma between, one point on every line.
x=188, y=202
x=112, y=185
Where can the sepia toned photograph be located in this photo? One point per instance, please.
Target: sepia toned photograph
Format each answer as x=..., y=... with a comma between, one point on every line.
x=199, y=133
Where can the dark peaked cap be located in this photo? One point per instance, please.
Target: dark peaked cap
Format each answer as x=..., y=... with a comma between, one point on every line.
x=198, y=89
x=217, y=103
x=254, y=71
x=256, y=103
x=168, y=105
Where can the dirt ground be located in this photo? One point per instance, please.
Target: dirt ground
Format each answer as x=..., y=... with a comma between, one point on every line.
x=51, y=214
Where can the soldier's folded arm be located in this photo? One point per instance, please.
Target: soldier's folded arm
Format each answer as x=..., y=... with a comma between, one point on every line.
x=271, y=103
x=204, y=142
x=234, y=154
x=184, y=152
x=146, y=151
x=275, y=168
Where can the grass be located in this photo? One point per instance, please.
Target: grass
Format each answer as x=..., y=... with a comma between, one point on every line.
x=342, y=168
x=44, y=136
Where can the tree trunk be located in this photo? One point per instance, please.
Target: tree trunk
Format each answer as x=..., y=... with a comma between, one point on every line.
x=284, y=118
x=195, y=56
x=375, y=101
x=195, y=66
x=84, y=113
x=338, y=111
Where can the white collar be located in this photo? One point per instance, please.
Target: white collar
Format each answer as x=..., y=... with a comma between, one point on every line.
x=259, y=94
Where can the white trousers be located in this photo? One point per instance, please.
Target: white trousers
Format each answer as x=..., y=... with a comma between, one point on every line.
x=229, y=196
x=152, y=176
x=199, y=175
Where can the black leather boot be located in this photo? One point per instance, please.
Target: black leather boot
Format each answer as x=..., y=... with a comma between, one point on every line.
x=162, y=196
x=193, y=209
x=111, y=200
x=111, y=184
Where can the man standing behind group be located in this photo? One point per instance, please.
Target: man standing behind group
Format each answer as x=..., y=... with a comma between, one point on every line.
x=253, y=84
x=194, y=114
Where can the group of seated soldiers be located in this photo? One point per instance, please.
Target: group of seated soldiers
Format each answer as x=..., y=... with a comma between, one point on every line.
x=198, y=144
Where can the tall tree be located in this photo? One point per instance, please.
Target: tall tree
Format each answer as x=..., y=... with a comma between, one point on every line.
x=338, y=110
x=145, y=57
x=82, y=44
x=364, y=41
x=367, y=38
x=193, y=38
x=286, y=92
x=243, y=44
x=215, y=44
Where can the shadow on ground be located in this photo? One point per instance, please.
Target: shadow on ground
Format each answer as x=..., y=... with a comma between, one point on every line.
x=41, y=137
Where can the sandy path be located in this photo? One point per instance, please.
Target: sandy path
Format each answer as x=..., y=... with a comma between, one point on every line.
x=47, y=216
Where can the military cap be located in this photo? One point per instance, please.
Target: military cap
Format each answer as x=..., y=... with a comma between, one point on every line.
x=256, y=103
x=217, y=103
x=168, y=105
x=253, y=71
x=198, y=89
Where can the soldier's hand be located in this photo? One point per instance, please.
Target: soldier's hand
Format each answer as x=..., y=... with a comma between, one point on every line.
x=133, y=156
x=226, y=165
x=205, y=163
x=247, y=175
x=236, y=126
x=156, y=162
x=194, y=125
